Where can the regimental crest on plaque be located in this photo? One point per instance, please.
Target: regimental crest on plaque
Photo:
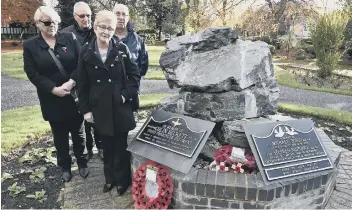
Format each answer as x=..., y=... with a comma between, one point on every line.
x=287, y=150
x=172, y=134
x=171, y=139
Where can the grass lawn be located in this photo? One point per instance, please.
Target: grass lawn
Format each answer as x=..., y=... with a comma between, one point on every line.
x=12, y=65
x=286, y=79
x=343, y=117
x=154, y=75
x=20, y=125
x=286, y=60
x=154, y=53
x=311, y=62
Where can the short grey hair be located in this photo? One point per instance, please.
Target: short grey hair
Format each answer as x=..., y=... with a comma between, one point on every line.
x=47, y=11
x=80, y=4
x=120, y=6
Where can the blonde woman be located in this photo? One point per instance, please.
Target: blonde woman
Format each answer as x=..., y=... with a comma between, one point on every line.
x=54, y=83
x=104, y=97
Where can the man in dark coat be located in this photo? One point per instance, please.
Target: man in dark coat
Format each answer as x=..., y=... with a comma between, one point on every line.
x=125, y=33
x=84, y=32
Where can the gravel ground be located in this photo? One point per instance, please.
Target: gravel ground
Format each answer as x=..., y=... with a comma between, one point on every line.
x=18, y=93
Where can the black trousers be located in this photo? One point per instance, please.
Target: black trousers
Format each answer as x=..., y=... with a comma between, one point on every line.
x=89, y=137
x=117, y=167
x=61, y=131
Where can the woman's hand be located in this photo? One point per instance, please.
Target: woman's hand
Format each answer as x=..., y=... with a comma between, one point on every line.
x=69, y=85
x=60, y=91
x=89, y=117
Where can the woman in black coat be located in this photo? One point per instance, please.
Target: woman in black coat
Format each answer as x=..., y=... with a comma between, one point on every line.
x=53, y=87
x=104, y=98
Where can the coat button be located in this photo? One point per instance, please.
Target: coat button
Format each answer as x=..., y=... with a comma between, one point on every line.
x=112, y=65
x=109, y=80
x=96, y=67
x=98, y=81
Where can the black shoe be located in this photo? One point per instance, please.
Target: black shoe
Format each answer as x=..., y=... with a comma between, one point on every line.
x=89, y=155
x=83, y=172
x=107, y=187
x=66, y=176
x=100, y=153
x=121, y=189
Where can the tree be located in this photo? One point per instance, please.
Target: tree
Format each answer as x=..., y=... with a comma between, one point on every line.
x=278, y=8
x=327, y=36
x=18, y=11
x=109, y=4
x=65, y=10
x=224, y=8
x=174, y=18
x=261, y=22
x=198, y=14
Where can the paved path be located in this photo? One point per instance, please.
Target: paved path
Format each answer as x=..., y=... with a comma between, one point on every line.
x=18, y=93
x=341, y=197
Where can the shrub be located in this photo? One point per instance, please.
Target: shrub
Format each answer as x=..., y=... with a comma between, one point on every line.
x=327, y=36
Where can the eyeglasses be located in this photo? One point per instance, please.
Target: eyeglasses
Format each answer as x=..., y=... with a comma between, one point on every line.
x=83, y=15
x=48, y=22
x=102, y=27
x=118, y=14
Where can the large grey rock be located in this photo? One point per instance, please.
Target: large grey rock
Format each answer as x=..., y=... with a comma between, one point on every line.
x=233, y=132
x=262, y=99
x=210, y=147
x=212, y=61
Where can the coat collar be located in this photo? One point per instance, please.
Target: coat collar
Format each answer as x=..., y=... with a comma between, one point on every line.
x=92, y=55
x=60, y=39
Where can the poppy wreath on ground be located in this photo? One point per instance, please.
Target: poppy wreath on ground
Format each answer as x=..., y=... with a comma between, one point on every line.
x=165, y=187
x=224, y=162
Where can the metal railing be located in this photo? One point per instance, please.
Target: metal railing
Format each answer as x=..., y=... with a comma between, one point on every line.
x=18, y=32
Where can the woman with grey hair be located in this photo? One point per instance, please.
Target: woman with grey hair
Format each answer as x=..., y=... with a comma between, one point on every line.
x=105, y=93
x=50, y=62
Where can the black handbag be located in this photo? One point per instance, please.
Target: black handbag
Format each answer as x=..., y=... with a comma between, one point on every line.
x=135, y=97
x=73, y=91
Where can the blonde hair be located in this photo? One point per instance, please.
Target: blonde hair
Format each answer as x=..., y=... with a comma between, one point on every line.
x=44, y=10
x=105, y=15
x=120, y=6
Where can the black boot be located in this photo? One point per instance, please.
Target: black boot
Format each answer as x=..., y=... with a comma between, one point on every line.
x=84, y=171
x=107, y=187
x=121, y=189
x=89, y=155
x=66, y=175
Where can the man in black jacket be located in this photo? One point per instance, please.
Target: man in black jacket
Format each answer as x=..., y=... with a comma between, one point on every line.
x=84, y=32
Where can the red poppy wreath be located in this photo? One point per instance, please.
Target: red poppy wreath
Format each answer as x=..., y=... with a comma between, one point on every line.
x=224, y=162
x=164, y=190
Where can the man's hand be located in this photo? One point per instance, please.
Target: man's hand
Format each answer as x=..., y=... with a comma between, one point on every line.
x=69, y=85
x=60, y=91
x=89, y=117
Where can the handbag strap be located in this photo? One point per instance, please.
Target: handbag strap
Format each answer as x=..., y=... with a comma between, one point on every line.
x=57, y=62
x=120, y=54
